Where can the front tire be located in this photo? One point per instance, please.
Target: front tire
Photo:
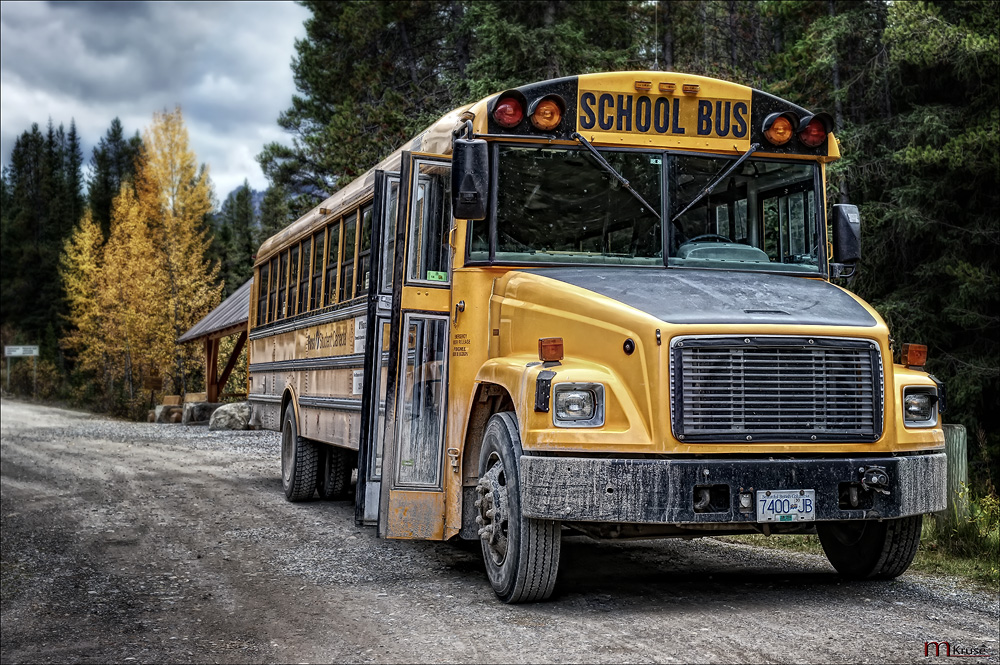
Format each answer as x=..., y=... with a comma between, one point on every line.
x=299, y=460
x=871, y=550
x=521, y=554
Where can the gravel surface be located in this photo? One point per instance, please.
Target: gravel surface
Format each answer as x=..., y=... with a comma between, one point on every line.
x=124, y=542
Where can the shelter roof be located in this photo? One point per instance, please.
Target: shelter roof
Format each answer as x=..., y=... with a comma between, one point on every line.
x=231, y=316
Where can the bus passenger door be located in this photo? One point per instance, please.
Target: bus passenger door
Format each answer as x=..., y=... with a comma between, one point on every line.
x=412, y=503
x=377, y=339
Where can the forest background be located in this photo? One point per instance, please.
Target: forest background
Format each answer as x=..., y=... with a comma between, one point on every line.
x=105, y=266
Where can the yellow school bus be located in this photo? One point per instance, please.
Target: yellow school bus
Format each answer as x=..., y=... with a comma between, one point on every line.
x=603, y=304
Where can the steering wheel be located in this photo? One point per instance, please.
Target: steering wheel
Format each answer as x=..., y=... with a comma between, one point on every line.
x=710, y=236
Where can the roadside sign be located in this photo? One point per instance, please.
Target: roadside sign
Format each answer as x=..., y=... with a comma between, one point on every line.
x=18, y=351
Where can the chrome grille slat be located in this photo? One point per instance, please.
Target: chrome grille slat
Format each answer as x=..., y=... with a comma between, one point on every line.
x=796, y=388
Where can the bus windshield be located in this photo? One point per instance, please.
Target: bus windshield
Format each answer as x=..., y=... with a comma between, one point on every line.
x=558, y=205
x=761, y=216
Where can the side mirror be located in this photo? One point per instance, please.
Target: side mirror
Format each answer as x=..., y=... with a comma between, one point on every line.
x=846, y=233
x=470, y=173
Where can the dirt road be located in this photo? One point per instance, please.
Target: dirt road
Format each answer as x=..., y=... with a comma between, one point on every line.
x=126, y=542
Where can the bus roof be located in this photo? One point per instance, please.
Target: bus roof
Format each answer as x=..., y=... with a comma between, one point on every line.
x=655, y=109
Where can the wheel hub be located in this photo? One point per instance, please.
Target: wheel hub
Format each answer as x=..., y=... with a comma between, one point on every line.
x=492, y=518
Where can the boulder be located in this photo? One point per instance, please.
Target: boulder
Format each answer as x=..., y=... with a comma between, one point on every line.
x=198, y=413
x=164, y=413
x=231, y=416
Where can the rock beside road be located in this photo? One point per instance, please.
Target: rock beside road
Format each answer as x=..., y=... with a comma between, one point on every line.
x=199, y=412
x=166, y=413
x=234, y=416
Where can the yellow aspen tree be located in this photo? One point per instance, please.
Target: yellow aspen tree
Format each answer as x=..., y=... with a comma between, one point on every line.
x=80, y=269
x=131, y=291
x=177, y=196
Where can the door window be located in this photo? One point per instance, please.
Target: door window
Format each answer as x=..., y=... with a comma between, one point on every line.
x=429, y=257
x=420, y=418
x=389, y=236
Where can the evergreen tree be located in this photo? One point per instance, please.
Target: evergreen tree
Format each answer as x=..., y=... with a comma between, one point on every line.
x=112, y=163
x=275, y=212
x=28, y=229
x=239, y=232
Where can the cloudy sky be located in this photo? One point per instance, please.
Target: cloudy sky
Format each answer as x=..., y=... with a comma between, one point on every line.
x=226, y=64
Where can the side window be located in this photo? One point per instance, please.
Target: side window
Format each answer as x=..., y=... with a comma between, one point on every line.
x=304, y=275
x=261, y=295
x=347, y=269
x=272, y=311
x=282, y=284
x=315, y=301
x=429, y=257
x=332, y=262
x=293, y=278
x=389, y=236
x=364, y=252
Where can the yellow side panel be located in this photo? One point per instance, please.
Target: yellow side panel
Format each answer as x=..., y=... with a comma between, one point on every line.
x=415, y=515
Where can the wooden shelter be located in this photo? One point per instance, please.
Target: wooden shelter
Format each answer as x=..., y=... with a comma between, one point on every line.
x=230, y=317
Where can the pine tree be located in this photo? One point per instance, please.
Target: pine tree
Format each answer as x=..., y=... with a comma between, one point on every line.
x=23, y=247
x=275, y=212
x=112, y=163
x=239, y=231
x=176, y=195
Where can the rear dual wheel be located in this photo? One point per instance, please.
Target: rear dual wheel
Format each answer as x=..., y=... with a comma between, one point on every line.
x=333, y=480
x=299, y=460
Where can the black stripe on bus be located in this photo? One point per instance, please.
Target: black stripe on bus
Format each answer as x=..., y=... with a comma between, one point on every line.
x=304, y=364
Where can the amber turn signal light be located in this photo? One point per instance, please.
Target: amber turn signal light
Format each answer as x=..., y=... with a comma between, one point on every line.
x=914, y=355
x=546, y=115
x=778, y=130
x=550, y=349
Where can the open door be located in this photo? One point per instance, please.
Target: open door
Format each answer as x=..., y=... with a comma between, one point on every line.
x=377, y=343
x=412, y=501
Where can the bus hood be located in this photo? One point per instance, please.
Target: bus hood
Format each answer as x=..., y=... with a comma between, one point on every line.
x=683, y=296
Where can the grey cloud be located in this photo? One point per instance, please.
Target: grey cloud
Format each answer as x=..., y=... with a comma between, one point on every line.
x=226, y=64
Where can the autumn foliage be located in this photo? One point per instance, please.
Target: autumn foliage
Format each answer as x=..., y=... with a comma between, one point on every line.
x=130, y=297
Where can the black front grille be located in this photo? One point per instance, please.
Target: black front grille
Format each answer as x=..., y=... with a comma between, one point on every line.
x=776, y=389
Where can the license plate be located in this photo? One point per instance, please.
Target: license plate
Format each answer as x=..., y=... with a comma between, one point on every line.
x=786, y=505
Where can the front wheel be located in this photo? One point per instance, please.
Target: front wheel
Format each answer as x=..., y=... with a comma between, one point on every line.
x=521, y=554
x=871, y=550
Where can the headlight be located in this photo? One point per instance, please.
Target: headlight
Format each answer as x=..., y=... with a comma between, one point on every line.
x=920, y=406
x=578, y=405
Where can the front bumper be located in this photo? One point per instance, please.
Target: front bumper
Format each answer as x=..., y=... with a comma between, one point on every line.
x=663, y=491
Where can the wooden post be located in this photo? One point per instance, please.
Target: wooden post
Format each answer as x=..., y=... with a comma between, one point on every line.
x=212, y=369
x=233, y=357
x=955, y=446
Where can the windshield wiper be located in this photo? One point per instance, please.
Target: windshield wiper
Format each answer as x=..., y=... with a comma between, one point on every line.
x=712, y=185
x=610, y=169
